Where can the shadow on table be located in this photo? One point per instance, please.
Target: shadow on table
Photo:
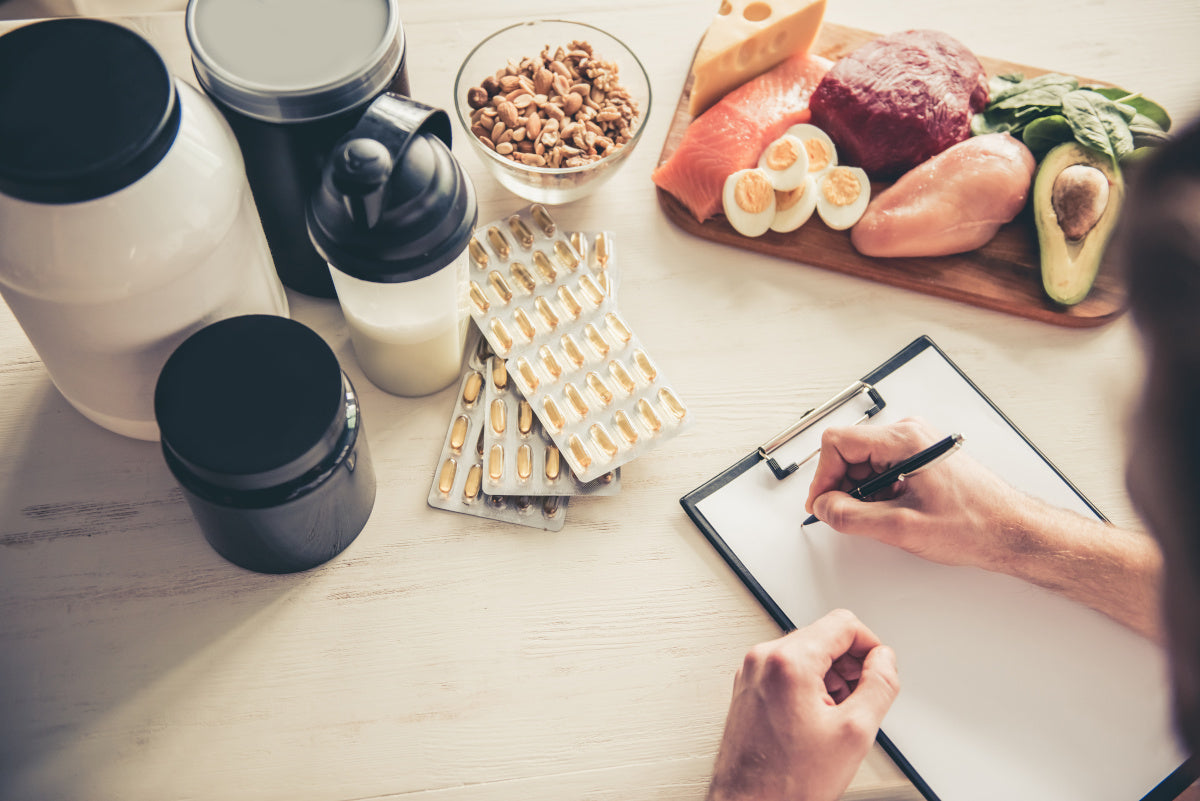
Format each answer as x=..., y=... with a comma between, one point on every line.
x=113, y=608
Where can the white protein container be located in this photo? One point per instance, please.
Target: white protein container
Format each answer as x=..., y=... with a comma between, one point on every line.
x=126, y=220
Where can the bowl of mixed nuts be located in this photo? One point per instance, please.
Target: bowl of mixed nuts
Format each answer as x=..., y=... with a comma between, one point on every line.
x=551, y=107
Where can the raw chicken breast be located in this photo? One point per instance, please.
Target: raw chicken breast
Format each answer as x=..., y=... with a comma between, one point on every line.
x=952, y=203
x=731, y=135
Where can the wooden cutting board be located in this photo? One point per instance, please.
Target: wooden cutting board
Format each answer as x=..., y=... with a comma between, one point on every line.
x=1003, y=275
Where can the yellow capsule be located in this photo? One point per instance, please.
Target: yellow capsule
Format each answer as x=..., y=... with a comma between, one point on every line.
x=603, y=439
x=478, y=254
x=625, y=427
x=498, y=242
x=605, y=284
x=593, y=292
x=503, y=337
x=524, y=461
x=671, y=403
x=607, y=478
x=554, y=416
x=498, y=416
x=528, y=376
x=603, y=249
x=458, y=433
x=524, y=417
x=551, y=505
x=571, y=348
x=547, y=313
x=543, y=219
x=579, y=242
x=497, y=501
x=446, y=479
x=471, y=389
x=521, y=231
x=617, y=327
x=499, y=373
x=599, y=388
x=644, y=365
x=552, y=462
x=521, y=275
x=549, y=362
x=496, y=462
x=569, y=301
x=622, y=377
x=524, y=502
x=579, y=453
x=525, y=324
x=544, y=266
x=566, y=256
x=649, y=417
x=478, y=298
x=575, y=398
x=595, y=340
x=503, y=290
x=474, y=480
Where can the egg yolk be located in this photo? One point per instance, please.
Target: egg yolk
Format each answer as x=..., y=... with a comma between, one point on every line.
x=753, y=193
x=841, y=187
x=781, y=155
x=785, y=200
x=818, y=154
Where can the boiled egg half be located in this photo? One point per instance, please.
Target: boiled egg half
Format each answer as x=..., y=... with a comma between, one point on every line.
x=793, y=207
x=842, y=196
x=748, y=199
x=818, y=147
x=785, y=161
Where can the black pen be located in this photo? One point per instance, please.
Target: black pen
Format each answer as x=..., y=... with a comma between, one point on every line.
x=926, y=458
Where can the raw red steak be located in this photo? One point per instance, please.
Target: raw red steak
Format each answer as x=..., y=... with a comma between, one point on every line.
x=900, y=99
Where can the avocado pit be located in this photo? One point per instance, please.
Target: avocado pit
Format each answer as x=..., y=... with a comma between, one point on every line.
x=1079, y=197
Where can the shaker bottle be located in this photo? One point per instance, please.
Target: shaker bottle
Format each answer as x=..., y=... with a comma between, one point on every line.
x=291, y=78
x=126, y=222
x=263, y=431
x=393, y=216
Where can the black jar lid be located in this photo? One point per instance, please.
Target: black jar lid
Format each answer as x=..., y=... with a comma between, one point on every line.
x=251, y=402
x=87, y=107
x=298, y=61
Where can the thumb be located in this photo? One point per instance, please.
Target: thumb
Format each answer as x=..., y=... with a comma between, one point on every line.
x=852, y=516
x=877, y=687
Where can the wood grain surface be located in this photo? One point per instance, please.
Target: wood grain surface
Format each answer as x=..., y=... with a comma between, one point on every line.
x=1003, y=275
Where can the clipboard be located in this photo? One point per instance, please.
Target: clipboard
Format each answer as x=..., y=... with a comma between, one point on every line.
x=1008, y=690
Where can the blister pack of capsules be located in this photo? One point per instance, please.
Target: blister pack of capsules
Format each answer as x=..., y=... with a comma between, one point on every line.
x=586, y=375
x=519, y=457
x=458, y=478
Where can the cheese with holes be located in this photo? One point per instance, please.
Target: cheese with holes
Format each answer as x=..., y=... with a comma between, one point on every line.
x=747, y=38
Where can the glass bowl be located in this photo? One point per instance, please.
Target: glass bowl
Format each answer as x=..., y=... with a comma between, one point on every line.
x=549, y=184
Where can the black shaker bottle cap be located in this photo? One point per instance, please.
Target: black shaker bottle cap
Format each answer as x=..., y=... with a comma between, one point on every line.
x=87, y=107
x=394, y=204
x=250, y=402
x=297, y=61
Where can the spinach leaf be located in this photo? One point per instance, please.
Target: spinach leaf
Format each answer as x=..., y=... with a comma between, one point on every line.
x=1044, y=90
x=1142, y=105
x=1098, y=123
x=1046, y=132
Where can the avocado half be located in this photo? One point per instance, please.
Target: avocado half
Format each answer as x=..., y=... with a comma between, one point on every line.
x=1071, y=250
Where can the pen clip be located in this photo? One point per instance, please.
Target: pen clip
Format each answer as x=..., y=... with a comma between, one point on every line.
x=812, y=416
x=958, y=441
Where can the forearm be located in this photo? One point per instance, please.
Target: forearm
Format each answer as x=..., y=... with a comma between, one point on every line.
x=1112, y=570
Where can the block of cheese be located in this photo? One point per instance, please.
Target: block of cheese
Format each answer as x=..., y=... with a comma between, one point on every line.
x=747, y=38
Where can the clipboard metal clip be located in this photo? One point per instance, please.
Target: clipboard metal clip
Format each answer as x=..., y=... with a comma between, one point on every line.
x=811, y=417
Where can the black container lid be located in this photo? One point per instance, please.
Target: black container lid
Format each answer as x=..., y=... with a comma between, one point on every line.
x=297, y=61
x=87, y=107
x=251, y=402
x=394, y=204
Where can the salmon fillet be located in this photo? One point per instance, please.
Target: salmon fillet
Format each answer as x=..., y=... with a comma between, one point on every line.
x=731, y=135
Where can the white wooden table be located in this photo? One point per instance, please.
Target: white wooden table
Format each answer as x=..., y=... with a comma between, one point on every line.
x=446, y=657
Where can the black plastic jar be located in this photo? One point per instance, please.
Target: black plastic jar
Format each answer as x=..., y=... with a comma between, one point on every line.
x=263, y=431
x=291, y=79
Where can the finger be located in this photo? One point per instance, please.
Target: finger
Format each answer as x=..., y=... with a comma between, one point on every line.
x=836, y=634
x=874, y=519
x=849, y=667
x=837, y=687
x=877, y=689
x=843, y=447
